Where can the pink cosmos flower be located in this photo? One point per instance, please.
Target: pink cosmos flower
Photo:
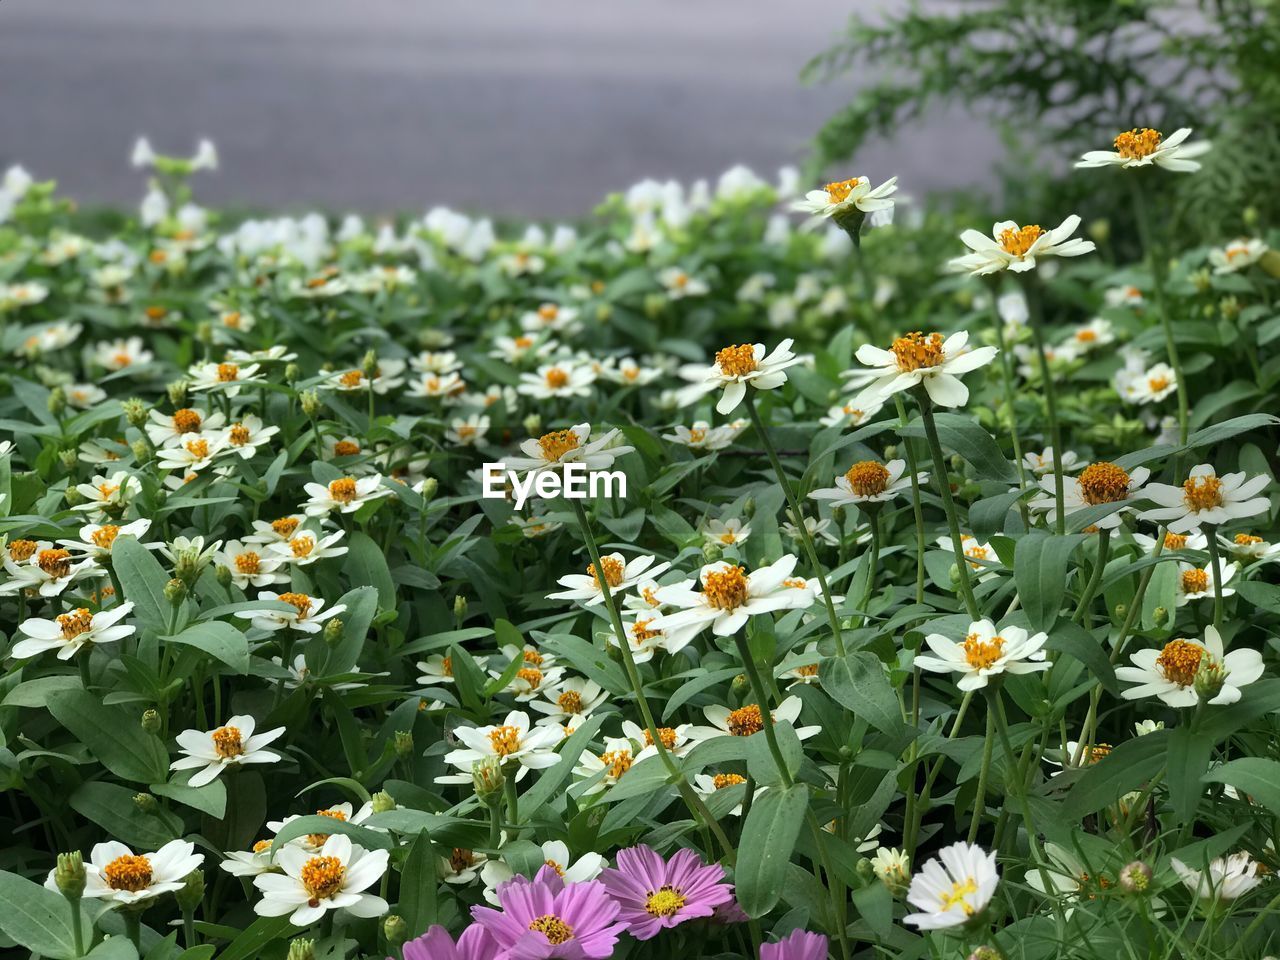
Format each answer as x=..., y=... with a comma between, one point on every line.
x=436, y=944
x=545, y=917
x=655, y=893
x=798, y=945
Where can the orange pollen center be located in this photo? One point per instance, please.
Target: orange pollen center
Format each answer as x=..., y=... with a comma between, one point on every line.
x=697, y=436
x=1018, y=241
x=75, y=623
x=1202, y=493
x=530, y=675
x=533, y=657
x=105, y=536
x=613, y=570
x=725, y=589
x=745, y=721
x=262, y=846
x=1246, y=540
x=186, y=420
x=737, y=361
x=1096, y=753
x=460, y=859
x=302, y=546
x=20, y=550
x=343, y=490
x=982, y=654
x=446, y=666
x=1195, y=581
x=1138, y=143
x=318, y=839
x=1156, y=384
x=238, y=435
x=107, y=490
x=867, y=478
x=523, y=343
x=1175, y=541
x=227, y=742
x=505, y=740
x=570, y=701
x=556, y=378
x=1179, y=661
x=666, y=734
x=722, y=780
x=56, y=562
x=838, y=191
x=285, y=526
x=640, y=631
x=231, y=320
x=1086, y=336
x=248, y=562
x=616, y=762
x=299, y=601
x=322, y=877
x=553, y=928
x=198, y=448
x=1103, y=483
x=352, y=378
x=915, y=351
x=228, y=372
x=808, y=670
x=554, y=866
x=556, y=444
x=130, y=872
x=548, y=311
x=156, y=313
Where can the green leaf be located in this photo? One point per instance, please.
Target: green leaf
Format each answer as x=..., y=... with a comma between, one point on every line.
x=1040, y=572
x=768, y=838
x=113, y=734
x=313, y=823
x=1121, y=771
x=210, y=799
x=1077, y=642
x=112, y=807
x=987, y=516
x=966, y=437
x=418, y=881
x=142, y=579
x=219, y=639
x=858, y=683
x=34, y=917
x=366, y=565
x=1189, y=753
x=248, y=946
x=553, y=778
x=760, y=762
x=1256, y=776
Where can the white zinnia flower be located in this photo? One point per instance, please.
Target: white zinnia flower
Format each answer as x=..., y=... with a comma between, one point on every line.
x=1197, y=583
x=746, y=720
x=914, y=359
x=1236, y=255
x=1015, y=248
x=306, y=616
x=512, y=741
x=680, y=284
x=346, y=495
x=726, y=533
x=1206, y=498
x=1227, y=877
x=209, y=752
x=730, y=596
x=1142, y=147
x=226, y=377
x=952, y=887
x=841, y=196
x=1170, y=672
x=555, y=854
x=985, y=653
x=868, y=481
x=330, y=880
x=1098, y=484
x=553, y=450
x=116, y=873
x=70, y=631
x=736, y=367
x=1042, y=463
x=620, y=573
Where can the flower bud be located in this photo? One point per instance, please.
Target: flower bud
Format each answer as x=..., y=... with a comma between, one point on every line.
x=145, y=802
x=302, y=949
x=186, y=567
x=459, y=608
x=369, y=364
x=204, y=331
x=57, y=401
x=310, y=401
x=740, y=684
x=1210, y=677
x=404, y=744
x=532, y=424
x=1250, y=216
x=135, y=411
x=488, y=779
x=69, y=459
x=175, y=590
x=292, y=372
x=1100, y=229
x=395, y=929
x=654, y=304
x=1202, y=280
x=177, y=393
x=73, y=497
x=1229, y=307
x=749, y=507
x=1135, y=877
x=151, y=721
x=382, y=802
x=711, y=552
x=1160, y=616
x=1120, y=611
x=986, y=953
x=191, y=892
x=69, y=875
x=334, y=630
x=429, y=487
x=223, y=575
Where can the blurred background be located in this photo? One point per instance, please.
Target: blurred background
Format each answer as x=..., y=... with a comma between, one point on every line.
x=512, y=109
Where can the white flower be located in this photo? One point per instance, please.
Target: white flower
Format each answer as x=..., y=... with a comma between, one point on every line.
x=1170, y=672
x=234, y=743
x=552, y=317
x=981, y=555
x=191, y=455
x=306, y=547
x=511, y=742
x=250, y=863
x=555, y=854
x=1227, y=877
x=552, y=451
x=1098, y=484
x=1173, y=542
x=1128, y=296
x=386, y=377
x=331, y=880
x=69, y=632
x=225, y=377
x=747, y=720
x=891, y=866
x=1205, y=498
x=1145, y=386
x=706, y=785
x=102, y=494
x=1042, y=463
x=250, y=566
x=574, y=697
x=868, y=481
x=346, y=495
x=730, y=596
x=736, y=367
x=468, y=432
x=620, y=573
x=246, y=435
x=181, y=425
x=307, y=616
x=631, y=374
x=1097, y=332
x=1015, y=248
x=1142, y=147
x=515, y=349
x=116, y=873
x=1196, y=583
x=952, y=887
x=1237, y=255
x=726, y=533
x=914, y=359
x=703, y=436
x=1249, y=547
x=461, y=866
x=97, y=539
x=850, y=414
x=985, y=653
x=841, y=196
x=606, y=769
x=115, y=355
x=680, y=284
x=42, y=567
x=564, y=378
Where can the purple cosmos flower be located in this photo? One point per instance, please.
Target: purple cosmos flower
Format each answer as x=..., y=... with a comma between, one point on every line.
x=436, y=944
x=798, y=945
x=545, y=917
x=656, y=893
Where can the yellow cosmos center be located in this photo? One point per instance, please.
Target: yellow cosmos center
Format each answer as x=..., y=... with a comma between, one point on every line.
x=722, y=780
x=613, y=571
x=915, y=351
x=1103, y=482
x=867, y=478
x=838, y=191
x=130, y=872
x=666, y=734
x=1202, y=493
x=228, y=372
x=666, y=901
x=505, y=740
x=343, y=490
x=1017, y=241
x=227, y=742
x=737, y=361
x=302, y=546
x=570, y=701
x=56, y=562
x=248, y=563
x=1138, y=143
x=982, y=654
x=198, y=448
x=556, y=444
x=530, y=675
x=959, y=894
x=553, y=928
x=186, y=420
x=1195, y=581
x=75, y=623
x=745, y=721
x=322, y=877
x=299, y=601
x=105, y=536
x=725, y=589
x=1179, y=661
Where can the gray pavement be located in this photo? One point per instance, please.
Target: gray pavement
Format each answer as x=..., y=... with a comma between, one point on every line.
x=530, y=108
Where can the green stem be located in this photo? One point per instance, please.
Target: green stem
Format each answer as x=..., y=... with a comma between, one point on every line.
x=1095, y=578
x=1215, y=568
x=1007, y=383
x=948, y=504
x=1031, y=288
x=133, y=928
x=980, y=800
x=77, y=925
x=805, y=537
x=873, y=518
x=922, y=801
x=916, y=510
x=513, y=798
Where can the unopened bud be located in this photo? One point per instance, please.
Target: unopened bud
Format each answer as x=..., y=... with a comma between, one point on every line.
x=954, y=574
x=1100, y=229
x=139, y=450
x=382, y=802
x=488, y=779
x=69, y=459
x=1202, y=280
x=460, y=608
x=749, y=507
x=404, y=744
x=532, y=424
x=986, y=953
x=429, y=487
x=186, y=566
x=1210, y=678
x=73, y=497
x=135, y=411
x=891, y=452
x=301, y=949
x=1250, y=216
x=654, y=304
x=151, y=721
x=145, y=802
x=334, y=630
x=369, y=364
x=177, y=393
x=1229, y=307
x=69, y=875
x=57, y=401
x=711, y=551
x=740, y=684
x=292, y=372
x=837, y=516
x=204, y=331
x=1160, y=616
x=310, y=401
x=395, y=929
x=191, y=892
x=175, y=590
x=223, y=575
x=1135, y=877
x=1121, y=610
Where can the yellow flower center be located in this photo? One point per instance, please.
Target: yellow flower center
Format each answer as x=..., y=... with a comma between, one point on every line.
x=1179, y=661
x=352, y=379
x=107, y=490
x=1157, y=383
x=248, y=563
x=186, y=420
x=915, y=350
x=1175, y=541
x=1017, y=241
x=322, y=877
x=105, y=536
x=570, y=701
x=982, y=654
x=1099, y=751
x=460, y=859
x=725, y=589
x=56, y=562
x=745, y=721
x=1246, y=540
x=838, y=191
x=318, y=839
x=666, y=734
x=1138, y=143
x=556, y=378
x=227, y=742
x=505, y=740
x=20, y=550
x=737, y=361
x=262, y=846
x=616, y=762
x=666, y=901
x=1202, y=493
x=722, y=780
x=156, y=313
x=959, y=894
x=1195, y=581
x=342, y=490
x=530, y=675
x=75, y=623
x=613, y=570
x=867, y=478
x=238, y=435
x=556, y=444
x=228, y=372
x=302, y=546
x=285, y=526
x=198, y=448
x=640, y=631
x=533, y=657
x=697, y=435
x=130, y=872
x=231, y=320
x=554, y=866
x=299, y=601
x=548, y=312
x=446, y=666
x=1086, y=335
x=553, y=928
x=1103, y=482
